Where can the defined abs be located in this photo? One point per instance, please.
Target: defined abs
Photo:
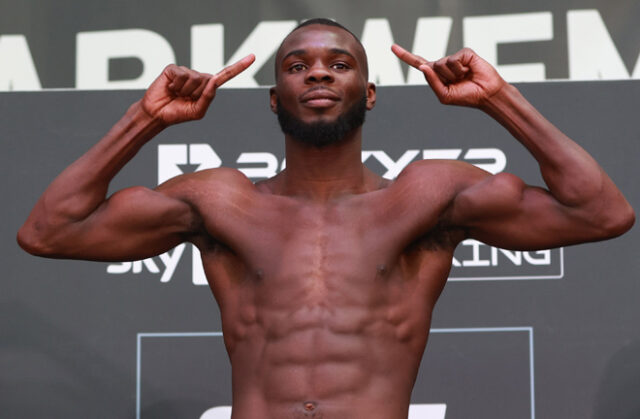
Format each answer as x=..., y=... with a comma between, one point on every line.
x=316, y=373
x=315, y=362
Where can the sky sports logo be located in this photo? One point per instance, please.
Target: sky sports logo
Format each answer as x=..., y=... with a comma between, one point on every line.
x=472, y=260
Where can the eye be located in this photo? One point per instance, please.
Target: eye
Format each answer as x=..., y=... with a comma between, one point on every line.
x=294, y=68
x=340, y=66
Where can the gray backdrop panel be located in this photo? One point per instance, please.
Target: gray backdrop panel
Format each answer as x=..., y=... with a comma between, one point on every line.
x=70, y=332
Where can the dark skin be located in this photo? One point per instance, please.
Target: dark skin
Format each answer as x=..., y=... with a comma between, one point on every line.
x=326, y=275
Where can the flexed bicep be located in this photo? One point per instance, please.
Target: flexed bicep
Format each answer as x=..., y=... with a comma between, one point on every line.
x=134, y=223
x=501, y=210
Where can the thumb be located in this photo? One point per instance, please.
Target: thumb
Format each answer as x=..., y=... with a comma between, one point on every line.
x=434, y=81
x=209, y=92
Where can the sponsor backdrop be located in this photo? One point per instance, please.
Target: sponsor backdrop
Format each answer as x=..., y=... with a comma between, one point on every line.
x=123, y=44
x=548, y=334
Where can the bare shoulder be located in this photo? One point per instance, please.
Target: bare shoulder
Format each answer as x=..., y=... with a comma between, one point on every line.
x=420, y=200
x=444, y=177
x=446, y=192
x=459, y=178
x=465, y=187
x=221, y=201
x=219, y=182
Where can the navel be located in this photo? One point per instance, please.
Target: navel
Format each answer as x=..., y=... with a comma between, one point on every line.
x=382, y=270
x=309, y=411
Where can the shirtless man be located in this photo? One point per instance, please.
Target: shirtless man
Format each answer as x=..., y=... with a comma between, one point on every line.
x=326, y=274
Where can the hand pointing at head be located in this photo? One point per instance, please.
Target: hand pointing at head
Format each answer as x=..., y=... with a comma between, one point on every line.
x=180, y=94
x=462, y=79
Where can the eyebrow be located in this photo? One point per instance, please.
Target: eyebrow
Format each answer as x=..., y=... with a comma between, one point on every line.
x=341, y=51
x=337, y=51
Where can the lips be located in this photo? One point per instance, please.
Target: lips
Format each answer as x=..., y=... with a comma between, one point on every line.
x=319, y=97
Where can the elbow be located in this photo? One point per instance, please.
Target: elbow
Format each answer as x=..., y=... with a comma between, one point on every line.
x=618, y=221
x=628, y=220
x=27, y=242
x=33, y=242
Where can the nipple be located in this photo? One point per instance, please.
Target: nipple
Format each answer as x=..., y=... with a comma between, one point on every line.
x=309, y=406
x=382, y=270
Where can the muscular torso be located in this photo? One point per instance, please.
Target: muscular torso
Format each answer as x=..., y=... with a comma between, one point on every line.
x=325, y=306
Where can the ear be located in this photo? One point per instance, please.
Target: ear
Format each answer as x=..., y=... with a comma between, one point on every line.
x=273, y=100
x=371, y=96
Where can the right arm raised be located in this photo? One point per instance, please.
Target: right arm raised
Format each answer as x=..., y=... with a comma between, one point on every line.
x=73, y=218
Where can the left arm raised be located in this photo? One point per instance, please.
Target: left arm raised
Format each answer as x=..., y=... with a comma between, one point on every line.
x=581, y=203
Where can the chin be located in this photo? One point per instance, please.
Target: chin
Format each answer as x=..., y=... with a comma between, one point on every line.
x=324, y=130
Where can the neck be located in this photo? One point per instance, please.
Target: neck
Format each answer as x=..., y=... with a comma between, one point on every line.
x=327, y=172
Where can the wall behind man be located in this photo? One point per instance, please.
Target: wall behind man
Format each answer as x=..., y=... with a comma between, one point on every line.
x=548, y=334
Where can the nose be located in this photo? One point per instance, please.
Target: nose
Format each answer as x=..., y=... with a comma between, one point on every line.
x=319, y=73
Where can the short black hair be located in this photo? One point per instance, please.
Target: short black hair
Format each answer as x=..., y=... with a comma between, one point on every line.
x=327, y=22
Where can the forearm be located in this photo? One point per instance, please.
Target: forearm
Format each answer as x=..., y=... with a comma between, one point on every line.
x=570, y=173
x=82, y=187
x=573, y=177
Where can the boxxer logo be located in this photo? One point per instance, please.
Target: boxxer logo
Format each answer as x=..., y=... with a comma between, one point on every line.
x=175, y=159
x=472, y=261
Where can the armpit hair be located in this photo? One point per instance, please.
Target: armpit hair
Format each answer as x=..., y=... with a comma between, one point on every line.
x=441, y=237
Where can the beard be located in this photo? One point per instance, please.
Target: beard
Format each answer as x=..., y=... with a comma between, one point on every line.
x=322, y=133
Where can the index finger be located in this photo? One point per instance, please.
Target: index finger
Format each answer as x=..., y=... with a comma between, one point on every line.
x=409, y=58
x=233, y=70
x=225, y=75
